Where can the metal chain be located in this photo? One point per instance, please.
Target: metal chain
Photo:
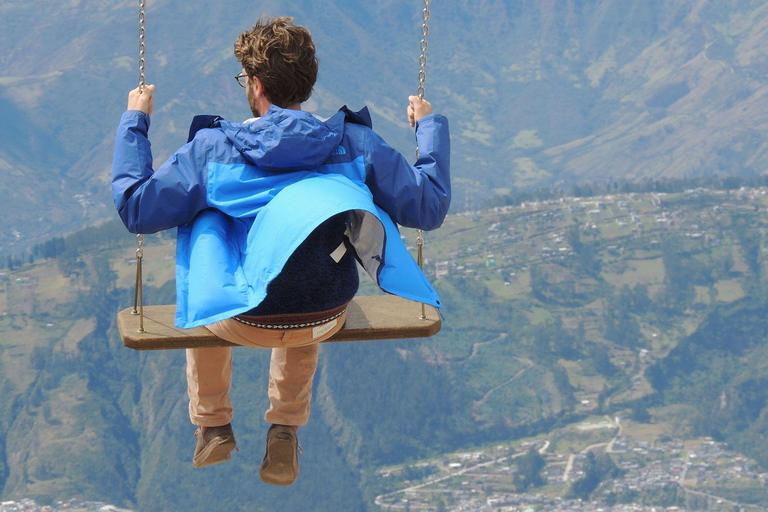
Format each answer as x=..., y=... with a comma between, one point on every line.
x=142, y=20
x=138, y=293
x=425, y=15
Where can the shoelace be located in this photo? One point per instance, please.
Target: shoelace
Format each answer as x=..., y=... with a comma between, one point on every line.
x=282, y=436
x=200, y=431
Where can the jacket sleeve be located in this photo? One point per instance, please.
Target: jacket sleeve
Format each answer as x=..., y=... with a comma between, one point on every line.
x=149, y=201
x=414, y=196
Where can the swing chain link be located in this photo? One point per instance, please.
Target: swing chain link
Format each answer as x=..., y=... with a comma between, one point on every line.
x=142, y=20
x=138, y=292
x=419, y=243
x=425, y=15
x=420, y=261
x=140, y=245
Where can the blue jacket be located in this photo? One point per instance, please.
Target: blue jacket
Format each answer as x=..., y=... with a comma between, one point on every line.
x=245, y=196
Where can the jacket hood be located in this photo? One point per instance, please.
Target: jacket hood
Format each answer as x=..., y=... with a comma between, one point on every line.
x=286, y=140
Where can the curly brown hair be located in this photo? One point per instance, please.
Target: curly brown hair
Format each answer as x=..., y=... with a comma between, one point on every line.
x=282, y=56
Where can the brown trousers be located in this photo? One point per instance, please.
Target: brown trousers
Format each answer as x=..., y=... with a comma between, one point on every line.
x=292, y=369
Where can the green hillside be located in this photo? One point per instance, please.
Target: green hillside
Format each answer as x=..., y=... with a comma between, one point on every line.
x=555, y=311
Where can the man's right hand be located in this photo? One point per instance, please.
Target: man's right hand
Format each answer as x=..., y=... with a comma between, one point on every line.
x=417, y=109
x=144, y=101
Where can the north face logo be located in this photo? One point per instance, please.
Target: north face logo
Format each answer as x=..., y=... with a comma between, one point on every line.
x=339, y=151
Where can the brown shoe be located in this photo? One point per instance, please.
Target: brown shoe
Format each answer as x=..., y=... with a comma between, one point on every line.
x=281, y=460
x=214, y=445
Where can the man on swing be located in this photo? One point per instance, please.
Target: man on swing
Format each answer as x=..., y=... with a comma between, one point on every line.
x=271, y=215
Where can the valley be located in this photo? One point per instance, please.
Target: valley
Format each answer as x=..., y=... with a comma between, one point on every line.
x=561, y=319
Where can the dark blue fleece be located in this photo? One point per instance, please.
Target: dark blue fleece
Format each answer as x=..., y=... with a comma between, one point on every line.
x=311, y=280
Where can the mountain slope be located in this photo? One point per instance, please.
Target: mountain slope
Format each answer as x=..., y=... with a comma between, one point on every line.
x=537, y=93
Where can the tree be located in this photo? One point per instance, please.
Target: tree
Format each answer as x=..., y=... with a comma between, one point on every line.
x=640, y=412
x=600, y=359
x=620, y=326
x=529, y=468
x=553, y=339
x=596, y=469
x=38, y=358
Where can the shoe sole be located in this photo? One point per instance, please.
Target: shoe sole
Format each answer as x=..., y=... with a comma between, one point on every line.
x=214, y=452
x=280, y=452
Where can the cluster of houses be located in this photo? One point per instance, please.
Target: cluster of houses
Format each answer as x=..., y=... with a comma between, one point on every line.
x=29, y=505
x=482, y=481
x=534, y=232
x=668, y=461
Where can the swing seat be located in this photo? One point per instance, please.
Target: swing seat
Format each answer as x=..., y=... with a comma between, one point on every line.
x=381, y=317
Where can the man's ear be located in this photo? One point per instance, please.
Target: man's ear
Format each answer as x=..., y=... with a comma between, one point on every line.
x=258, y=87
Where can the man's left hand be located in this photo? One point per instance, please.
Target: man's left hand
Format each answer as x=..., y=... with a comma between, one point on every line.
x=142, y=100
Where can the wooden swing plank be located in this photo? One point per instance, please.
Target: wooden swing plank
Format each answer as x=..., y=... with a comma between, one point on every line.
x=381, y=317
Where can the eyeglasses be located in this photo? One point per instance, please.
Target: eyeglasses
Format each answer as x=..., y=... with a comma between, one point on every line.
x=241, y=79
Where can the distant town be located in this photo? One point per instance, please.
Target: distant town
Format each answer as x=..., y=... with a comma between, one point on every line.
x=533, y=231
x=483, y=480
